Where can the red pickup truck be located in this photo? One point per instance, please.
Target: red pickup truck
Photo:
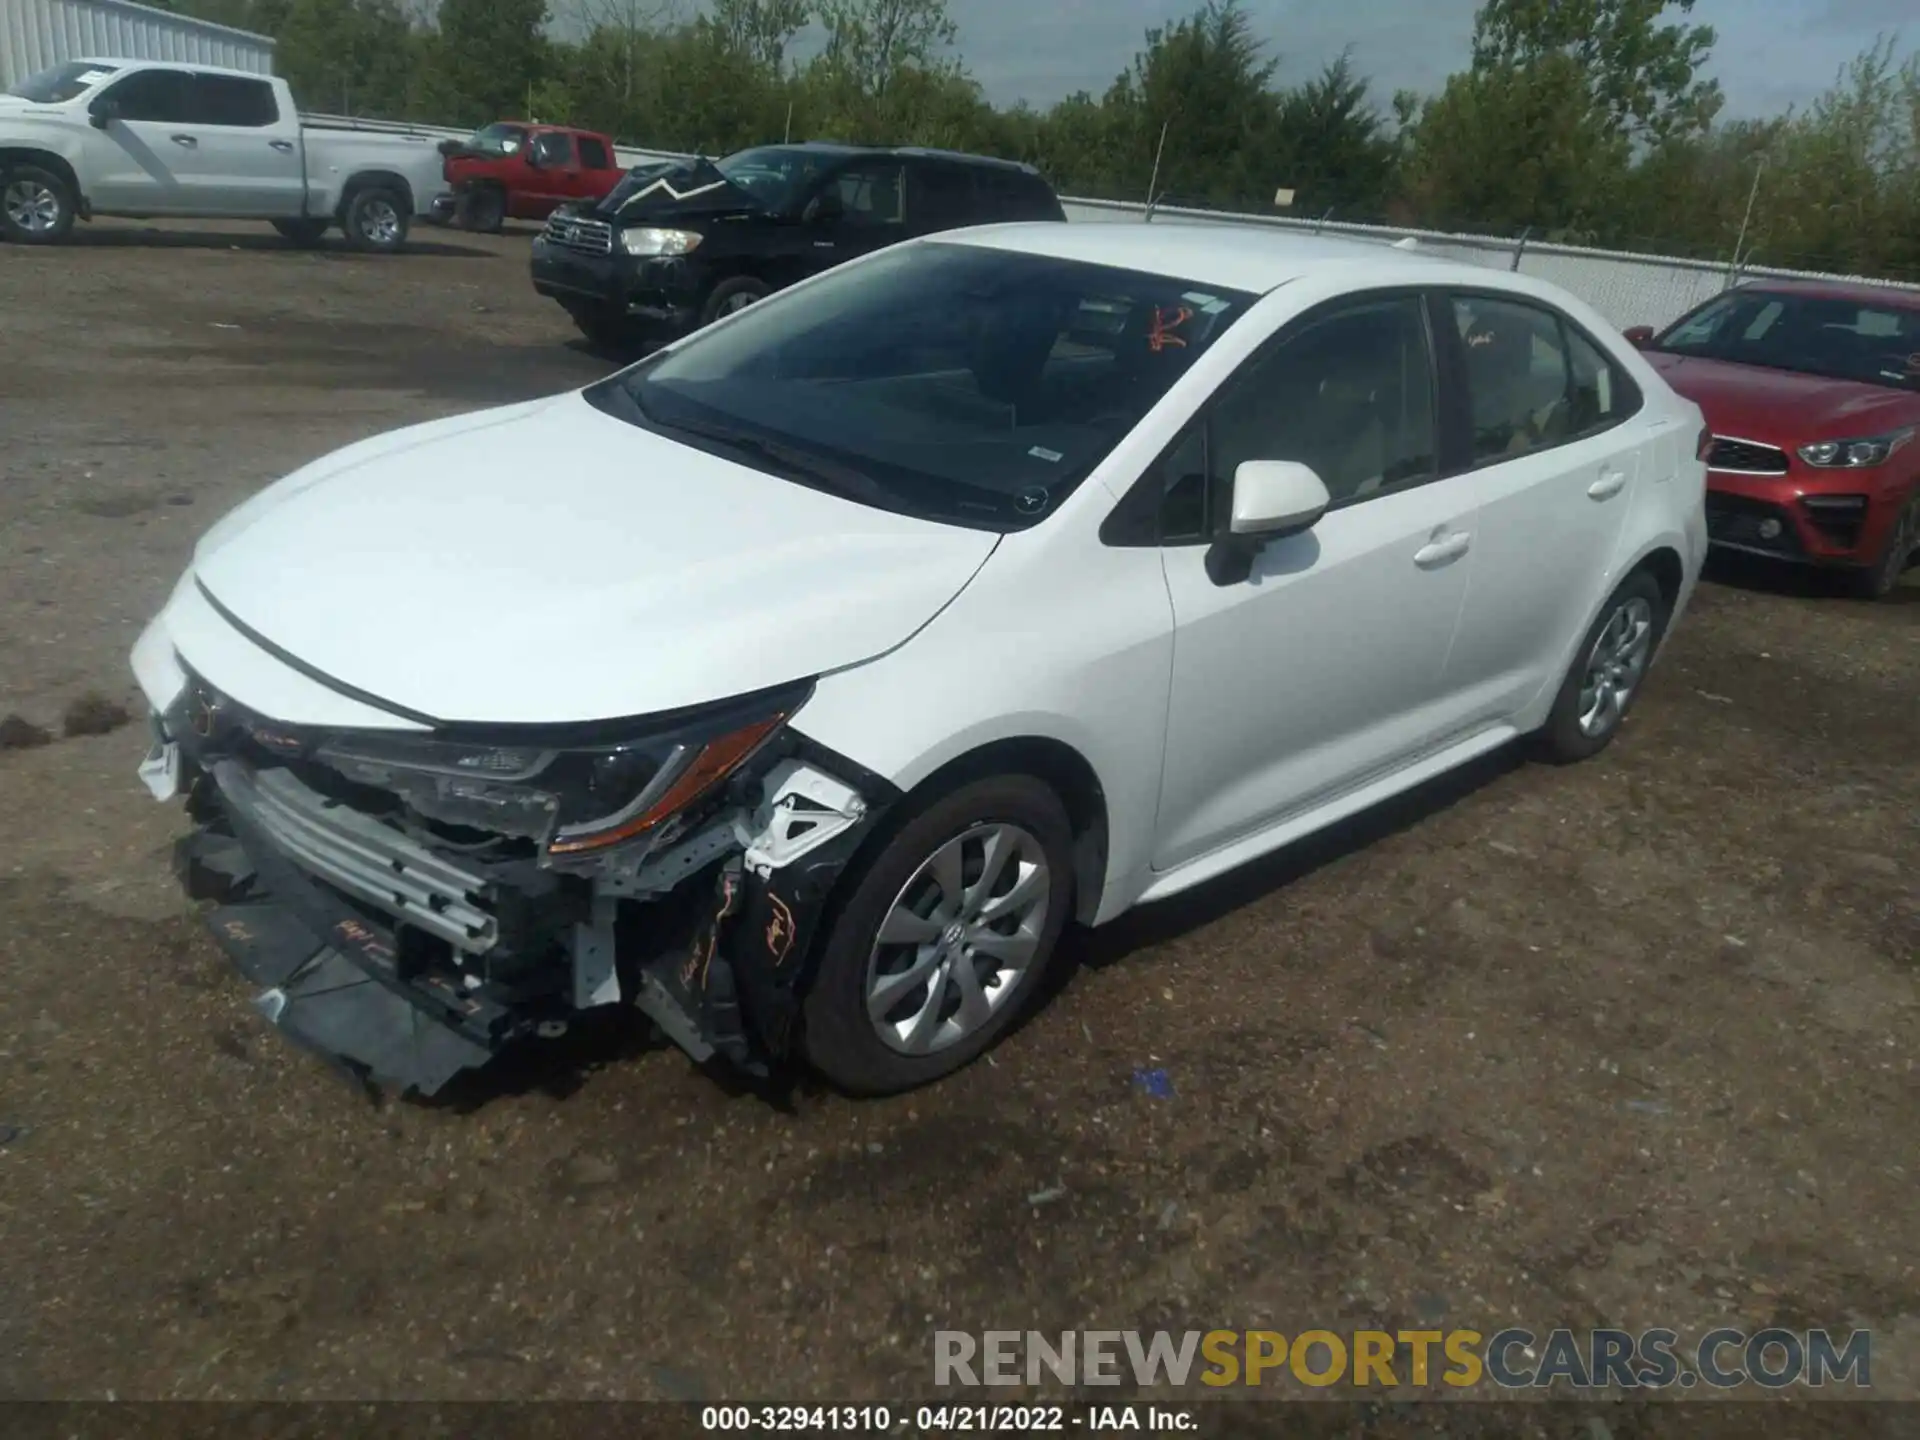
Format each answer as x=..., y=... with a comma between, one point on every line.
x=520, y=170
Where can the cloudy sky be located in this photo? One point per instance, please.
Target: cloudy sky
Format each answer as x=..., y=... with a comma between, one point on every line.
x=1771, y=52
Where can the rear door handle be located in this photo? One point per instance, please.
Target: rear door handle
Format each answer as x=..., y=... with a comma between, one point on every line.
x=1608, y=485
x=186, y=140
x=1443, y=550
x=284, y=146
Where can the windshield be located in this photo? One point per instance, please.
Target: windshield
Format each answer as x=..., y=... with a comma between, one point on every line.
x=497, y=139
x=1814, y=334
x=774, y=174
x=62, y=82
x=952, y=382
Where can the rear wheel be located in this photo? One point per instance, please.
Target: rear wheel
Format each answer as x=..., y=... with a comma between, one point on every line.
x=484, y=209
x=1879, y=580
x=36, y=206
x=602, y=327
x=376, y=219
x=303, y=233
x=730, y=296
x=1608, y=671
x=943, y=939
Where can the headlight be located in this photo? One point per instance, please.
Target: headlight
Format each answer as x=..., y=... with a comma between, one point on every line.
x=1855, y=454
x=573, y=798
x=645, y=240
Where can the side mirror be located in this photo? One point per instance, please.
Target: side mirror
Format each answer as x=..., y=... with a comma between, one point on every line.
x=1640, y=336
x=1272, y=499
x=102, y=113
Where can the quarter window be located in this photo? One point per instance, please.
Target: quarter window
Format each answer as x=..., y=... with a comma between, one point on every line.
x=1351, y=395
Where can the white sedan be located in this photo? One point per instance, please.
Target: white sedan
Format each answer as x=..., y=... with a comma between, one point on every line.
x=800, y=683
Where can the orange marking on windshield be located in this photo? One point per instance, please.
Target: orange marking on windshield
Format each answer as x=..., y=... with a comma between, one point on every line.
x=1164, y=324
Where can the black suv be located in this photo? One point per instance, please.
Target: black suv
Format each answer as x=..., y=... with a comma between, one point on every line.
x=675, y=246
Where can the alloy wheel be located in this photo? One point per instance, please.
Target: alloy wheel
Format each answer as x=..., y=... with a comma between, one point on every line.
x=380, y=222
x=32, y=206
x=1615, y=667
x=958, y=939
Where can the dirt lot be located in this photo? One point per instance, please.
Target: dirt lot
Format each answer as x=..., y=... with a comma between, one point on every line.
x=1631, y=1043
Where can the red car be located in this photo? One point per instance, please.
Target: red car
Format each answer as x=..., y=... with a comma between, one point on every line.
x=1812, y=392
x=512, y=168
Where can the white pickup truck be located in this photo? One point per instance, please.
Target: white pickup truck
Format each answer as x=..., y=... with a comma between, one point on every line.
x=156, y=139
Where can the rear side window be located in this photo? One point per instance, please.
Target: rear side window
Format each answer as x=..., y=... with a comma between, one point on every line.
x=1533, y=380
x=593, y=154
x=230, y=100
x=1006, y=194
x=942, y=197
x=156, y=96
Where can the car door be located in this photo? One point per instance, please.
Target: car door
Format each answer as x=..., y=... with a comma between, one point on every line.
x=1557, y=449
x=555, y=172
x=858, y=210
x=133, y=155
x=1324, y=668
x=244, y=159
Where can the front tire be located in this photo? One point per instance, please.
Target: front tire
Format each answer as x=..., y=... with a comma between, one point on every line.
x=483, y=210
x=36, y=206
x=376, y=220
x=607, y=328
x=1879, y=580
x=1609, y=671
x=943, y=941
x=733, y=295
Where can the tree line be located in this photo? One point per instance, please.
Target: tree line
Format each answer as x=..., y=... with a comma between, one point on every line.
x=1591, y=121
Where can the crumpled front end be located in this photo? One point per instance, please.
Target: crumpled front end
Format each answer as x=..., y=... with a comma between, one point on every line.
x=412, y=904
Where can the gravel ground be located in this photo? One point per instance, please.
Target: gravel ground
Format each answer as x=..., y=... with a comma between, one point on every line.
x=1625, y=1044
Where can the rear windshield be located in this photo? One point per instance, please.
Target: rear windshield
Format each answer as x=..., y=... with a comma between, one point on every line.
x=497, y=139
x=1841, y=339
x=62, y=82
x=953, y=382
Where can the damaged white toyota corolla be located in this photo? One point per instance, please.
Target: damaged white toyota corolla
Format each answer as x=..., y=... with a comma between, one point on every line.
x=799, y=684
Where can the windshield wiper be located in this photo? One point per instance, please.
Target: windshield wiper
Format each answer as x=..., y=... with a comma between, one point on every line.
x=842, y=480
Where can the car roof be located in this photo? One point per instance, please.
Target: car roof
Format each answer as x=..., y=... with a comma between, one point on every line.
x=917, y=152
x=144, y=64
x=1249, y=258
x=1863, y=291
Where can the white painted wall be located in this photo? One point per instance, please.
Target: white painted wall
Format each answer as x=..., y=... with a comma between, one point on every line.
x=36, y=34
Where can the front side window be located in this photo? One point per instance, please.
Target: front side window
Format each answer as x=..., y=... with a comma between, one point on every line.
x=959, y=383
x=62, y=83
x=1349, y=394
x=156, y=96
x=552, y=151
x=1835, y=337
x=229, y=100
x=871, y=194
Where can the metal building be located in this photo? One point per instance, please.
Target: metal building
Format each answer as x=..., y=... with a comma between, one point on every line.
x=35, y=34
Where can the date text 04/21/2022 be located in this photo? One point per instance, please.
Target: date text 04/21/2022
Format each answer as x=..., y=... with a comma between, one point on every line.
x=947, y=1419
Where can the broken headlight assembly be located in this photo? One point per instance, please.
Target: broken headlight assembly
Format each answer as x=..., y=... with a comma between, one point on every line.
x=577, y=794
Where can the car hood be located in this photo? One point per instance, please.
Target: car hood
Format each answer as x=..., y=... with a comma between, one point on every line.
x=547, y=563
x=1781, y=407
x=676, y=190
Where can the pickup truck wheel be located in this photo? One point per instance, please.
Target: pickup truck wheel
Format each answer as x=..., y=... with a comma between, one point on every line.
x=944, y=939
x=36, y=207
x=732, y=295
x=483, y=209
x=376, y=220
x=303, y=233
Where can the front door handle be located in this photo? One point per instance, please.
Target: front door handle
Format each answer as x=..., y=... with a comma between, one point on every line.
x=285, y=147
x=1608, y=485
x=186, y=140
x=1443, y=550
